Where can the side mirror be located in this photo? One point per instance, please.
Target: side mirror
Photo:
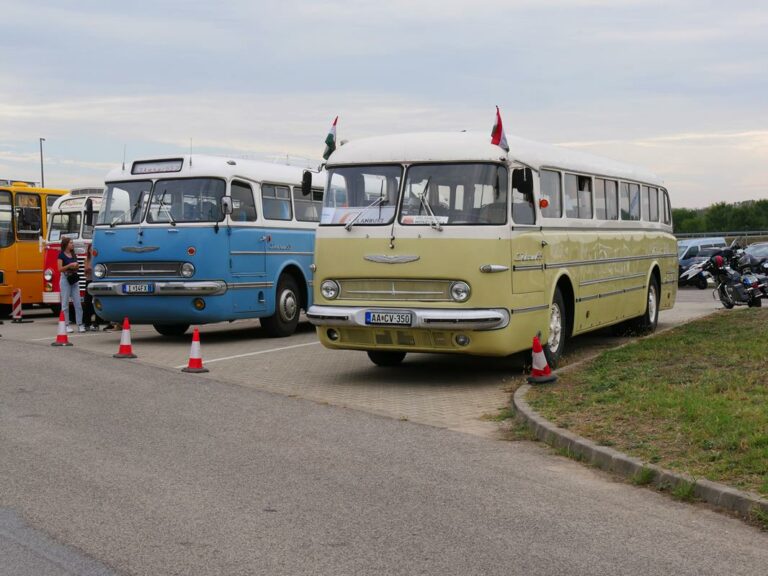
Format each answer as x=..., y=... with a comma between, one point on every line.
x=306, y=183
x=226, y=205
x=89, y=212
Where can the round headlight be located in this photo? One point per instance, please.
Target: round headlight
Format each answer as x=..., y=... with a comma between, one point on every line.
x=99, y=270
x=460, y=291
x=187, y=269
x=329, y=289
x=48, y=275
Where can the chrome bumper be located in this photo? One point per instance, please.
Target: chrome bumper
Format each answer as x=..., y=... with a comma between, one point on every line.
x=164, y=288
x=433, y=318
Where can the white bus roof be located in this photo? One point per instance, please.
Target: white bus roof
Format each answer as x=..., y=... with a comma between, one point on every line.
x=474, y=146
x=202, y=165
x=75, y=201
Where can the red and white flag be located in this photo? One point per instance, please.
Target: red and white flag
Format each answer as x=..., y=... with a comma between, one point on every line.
x=330, y=140
x=497, y=135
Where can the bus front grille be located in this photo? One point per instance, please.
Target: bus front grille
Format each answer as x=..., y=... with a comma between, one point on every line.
x=395, y=289
x=133, y=269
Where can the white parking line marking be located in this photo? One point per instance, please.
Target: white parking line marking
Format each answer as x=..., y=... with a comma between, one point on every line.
x=253, y=353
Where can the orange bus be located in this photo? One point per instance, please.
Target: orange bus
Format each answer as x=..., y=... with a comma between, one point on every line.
x=23, y=225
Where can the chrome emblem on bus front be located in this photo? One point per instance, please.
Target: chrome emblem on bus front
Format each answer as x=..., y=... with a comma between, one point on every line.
x=140, y=249
x=394, y=259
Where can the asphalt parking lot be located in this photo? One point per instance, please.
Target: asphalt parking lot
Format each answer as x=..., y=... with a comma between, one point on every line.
x=451, y=392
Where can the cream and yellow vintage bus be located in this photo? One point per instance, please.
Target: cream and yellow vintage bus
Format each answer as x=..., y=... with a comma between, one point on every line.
x=447, y=243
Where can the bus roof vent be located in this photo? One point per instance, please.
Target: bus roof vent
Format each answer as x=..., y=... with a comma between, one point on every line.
x=86, y=191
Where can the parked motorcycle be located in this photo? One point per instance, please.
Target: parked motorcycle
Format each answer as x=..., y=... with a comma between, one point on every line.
x=736, y=283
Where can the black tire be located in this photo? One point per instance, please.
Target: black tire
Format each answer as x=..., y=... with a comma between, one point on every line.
x=558, y=328
x=725, y=298
x=755, y=303
x=647, y=323
x=5, y=310
x=382, y=358
x=701, y=282
x=287, y=309
x=171, y=329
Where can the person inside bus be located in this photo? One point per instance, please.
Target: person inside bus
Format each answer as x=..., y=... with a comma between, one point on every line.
x=69, y=283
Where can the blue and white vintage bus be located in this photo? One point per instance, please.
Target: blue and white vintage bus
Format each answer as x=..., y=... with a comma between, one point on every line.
x=200, y=239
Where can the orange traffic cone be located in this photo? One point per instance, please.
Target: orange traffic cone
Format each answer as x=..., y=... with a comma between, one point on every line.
x=195, y=364
x=540, y=372
x=61, y=336
x=125, y=350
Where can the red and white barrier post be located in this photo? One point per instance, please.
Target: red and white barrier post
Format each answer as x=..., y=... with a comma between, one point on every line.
x=17, y=314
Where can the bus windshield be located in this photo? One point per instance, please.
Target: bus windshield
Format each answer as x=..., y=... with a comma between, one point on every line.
x=187, y=200
x=454, y=194
x=361, y=195
x=124, y=202
x=6, y=219
x=64, y=224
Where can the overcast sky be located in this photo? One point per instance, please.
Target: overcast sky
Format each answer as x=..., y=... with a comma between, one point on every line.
x=677, y=86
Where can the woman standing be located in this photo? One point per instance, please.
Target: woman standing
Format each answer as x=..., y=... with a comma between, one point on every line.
x=69, y=283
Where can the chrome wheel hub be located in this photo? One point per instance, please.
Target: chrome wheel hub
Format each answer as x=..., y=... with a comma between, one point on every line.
x=652, y=302
x=555, y=328
x=288, y=305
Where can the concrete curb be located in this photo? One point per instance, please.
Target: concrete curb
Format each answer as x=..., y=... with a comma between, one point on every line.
x=743, y=503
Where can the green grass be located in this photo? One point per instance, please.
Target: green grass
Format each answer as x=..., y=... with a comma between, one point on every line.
x=694, y=399
x=644, y=477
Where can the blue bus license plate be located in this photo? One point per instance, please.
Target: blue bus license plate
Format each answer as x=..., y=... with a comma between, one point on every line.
x=389, y=318
x=147, y=288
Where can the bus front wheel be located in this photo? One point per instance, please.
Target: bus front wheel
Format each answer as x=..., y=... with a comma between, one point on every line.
x=287, y=308
x=171, y=329
x=381, y=358
x=558, y=327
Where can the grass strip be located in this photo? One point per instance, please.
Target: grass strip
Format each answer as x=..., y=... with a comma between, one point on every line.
x=693, y=399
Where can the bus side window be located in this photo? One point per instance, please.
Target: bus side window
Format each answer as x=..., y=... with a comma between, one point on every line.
x=308, y=208
x=551, y=191
x=243, y=205
x=28, y=216
x=578, y=196
x=276, y=202
x=522, y=196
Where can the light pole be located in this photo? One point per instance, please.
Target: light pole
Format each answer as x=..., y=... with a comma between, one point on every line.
x=42, y=174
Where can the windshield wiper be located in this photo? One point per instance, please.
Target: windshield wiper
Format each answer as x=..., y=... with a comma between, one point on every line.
x=163, y=205
x=381, y=200
x=424, y=202
x=116, y=219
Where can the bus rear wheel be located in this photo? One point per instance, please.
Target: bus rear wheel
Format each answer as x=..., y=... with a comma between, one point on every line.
x=381, y=358
x=171, y=329
x=287, y=308
x=647, y=323
x=5, y=310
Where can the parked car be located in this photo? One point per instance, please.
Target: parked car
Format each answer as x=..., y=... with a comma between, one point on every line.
x=758, y=250
x=689, y=249
x=700, y=280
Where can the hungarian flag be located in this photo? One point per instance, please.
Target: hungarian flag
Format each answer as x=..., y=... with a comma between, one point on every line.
x=330, y=140
x=497, y=134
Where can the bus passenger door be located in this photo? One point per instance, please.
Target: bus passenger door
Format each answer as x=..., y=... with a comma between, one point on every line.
x=527, y=246
x=29, y=258
x=247, y=252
